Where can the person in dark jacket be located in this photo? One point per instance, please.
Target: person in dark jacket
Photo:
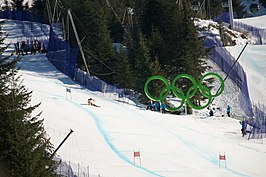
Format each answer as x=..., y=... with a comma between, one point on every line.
x=211, y=112
x=163, y=107
x=149, y=107
x=243, y=127
x=228, y=110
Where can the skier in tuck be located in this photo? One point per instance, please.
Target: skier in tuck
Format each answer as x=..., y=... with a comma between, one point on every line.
x=92, y=102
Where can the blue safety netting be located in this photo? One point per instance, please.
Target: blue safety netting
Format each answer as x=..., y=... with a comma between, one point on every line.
x=60, y=54
x=64, y=58
x=258, y=122
x=225, y=17
x=211, y=40
x=256, y=112
x=20, y=15
x=225, y=61
x=259, y=33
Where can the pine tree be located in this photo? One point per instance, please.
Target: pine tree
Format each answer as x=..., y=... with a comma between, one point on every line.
x=90, y=18
x=6, y=5
x=24, y=148
x=18, y=5
x=239, y=8
x=215, y=8
x=123, y=77
x=263, y=2
x=139, y=58
x=39, y=10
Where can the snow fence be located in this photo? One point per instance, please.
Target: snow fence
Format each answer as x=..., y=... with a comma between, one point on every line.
x=259, y=33
x=255, y=112
x=20, y=15
x=64, y=58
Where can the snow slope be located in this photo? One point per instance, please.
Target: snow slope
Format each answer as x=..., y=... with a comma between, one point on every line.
x=259, y=21
x=253, y=60
x=169, y=145
x=104, y=138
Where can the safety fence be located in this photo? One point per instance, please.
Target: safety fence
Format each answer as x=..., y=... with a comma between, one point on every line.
x=20, y=15
x=225, y=61
x=225, y=17
x=258, y=121
x=259, y=33
x=255, y=112
x=63, y=57
x=34, y=31
x=60, y=54
x=211, y=40
x=69, y=169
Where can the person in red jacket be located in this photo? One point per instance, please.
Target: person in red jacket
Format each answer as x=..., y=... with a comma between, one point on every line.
x=92, y=102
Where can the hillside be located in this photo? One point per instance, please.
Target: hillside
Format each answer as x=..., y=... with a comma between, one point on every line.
x=104, y=138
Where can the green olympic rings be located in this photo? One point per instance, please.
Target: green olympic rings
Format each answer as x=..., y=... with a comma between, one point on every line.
x=178, y=92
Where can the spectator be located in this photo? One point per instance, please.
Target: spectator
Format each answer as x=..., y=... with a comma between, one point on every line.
x=228, y=110
x=149, y=105
x=211, y=112
x=243, y=127
x=163, y=107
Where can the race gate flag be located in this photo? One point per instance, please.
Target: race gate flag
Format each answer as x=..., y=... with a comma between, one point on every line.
x=68, y=92
x=136, y=154
x=222, y=157
x=185, y=96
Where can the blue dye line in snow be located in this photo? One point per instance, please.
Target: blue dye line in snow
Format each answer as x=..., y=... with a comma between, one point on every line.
x=202, y=151
x=106, y=136
x=110, y=144
x=120, y=155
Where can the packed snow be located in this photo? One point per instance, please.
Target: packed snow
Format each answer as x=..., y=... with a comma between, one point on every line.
x=259, y=21
x=105, y=138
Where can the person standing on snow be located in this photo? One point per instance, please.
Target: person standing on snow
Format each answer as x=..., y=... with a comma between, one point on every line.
x=211, y=113
x=243, y=127
x=157, y=106
x=228, y=110
x=149, y=107
x=163, y=107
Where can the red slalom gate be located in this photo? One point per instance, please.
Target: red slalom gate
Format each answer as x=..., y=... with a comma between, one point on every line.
x=222, y=157
x=136, y=154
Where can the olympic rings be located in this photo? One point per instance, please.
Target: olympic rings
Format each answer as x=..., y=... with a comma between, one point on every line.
x=178, y=92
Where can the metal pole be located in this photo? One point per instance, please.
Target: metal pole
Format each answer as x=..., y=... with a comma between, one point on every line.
x=52, y=155
x=231, y=11
x=49, y=11
x=231, y=68
x=79, y=43
x=71, y=131
x=55, y=7
x=109, y=6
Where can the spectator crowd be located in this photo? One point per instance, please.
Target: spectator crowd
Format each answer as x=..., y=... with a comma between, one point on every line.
x=29, y=47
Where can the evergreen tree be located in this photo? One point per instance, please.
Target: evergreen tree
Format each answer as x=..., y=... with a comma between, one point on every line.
x=117, y=19
x=239, y=8
x=215, y=8
x=24, y=148
x=39, y=10
x=6, y=5
x=90, y=18
x=123, y=77
x=263, y=2
x=17, y=5
x=156, y=44
x=139, y=58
